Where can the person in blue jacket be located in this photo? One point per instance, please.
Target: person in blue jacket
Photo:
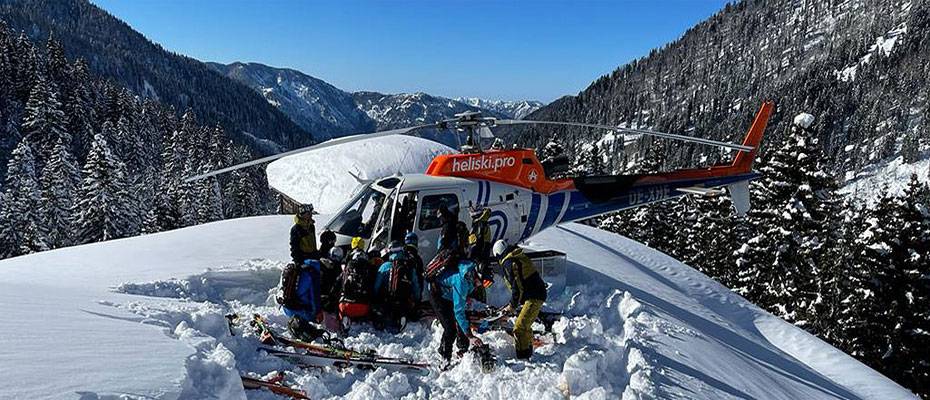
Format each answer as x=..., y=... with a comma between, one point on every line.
x=306, y=306
x=449, y=298
x=397, y=285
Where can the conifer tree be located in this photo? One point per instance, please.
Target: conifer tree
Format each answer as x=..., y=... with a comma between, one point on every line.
x=59, y=182
x=44, y=121
x=19, y=223
x=104, y=208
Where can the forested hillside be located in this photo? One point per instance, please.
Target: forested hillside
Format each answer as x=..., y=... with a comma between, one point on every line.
x=860, y=66
x=85, y=159
x=113, y=50
x=856, y=275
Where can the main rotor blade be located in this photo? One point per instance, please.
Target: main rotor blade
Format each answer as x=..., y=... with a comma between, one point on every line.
x=673, y=136
x=328, y=143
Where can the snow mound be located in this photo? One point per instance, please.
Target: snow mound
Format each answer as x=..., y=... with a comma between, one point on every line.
x=325, y=179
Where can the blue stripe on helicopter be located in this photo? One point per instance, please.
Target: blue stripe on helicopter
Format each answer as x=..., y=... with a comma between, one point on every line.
x=498, y=221
x=480, y=192
x=556, y=201
x=580, y=207
x=487, y=193
x=531, y=219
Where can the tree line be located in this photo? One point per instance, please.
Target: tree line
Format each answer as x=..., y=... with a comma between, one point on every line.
x=86, y=160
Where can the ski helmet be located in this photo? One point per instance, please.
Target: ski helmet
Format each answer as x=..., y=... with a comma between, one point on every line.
x=396, y=247
x=336, y=254
x=499, y=248
x=306, y=209
x=328, y=237
x=357, y=243
x=411, y=239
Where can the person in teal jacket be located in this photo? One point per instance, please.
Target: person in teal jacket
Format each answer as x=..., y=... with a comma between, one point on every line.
x=449, y=298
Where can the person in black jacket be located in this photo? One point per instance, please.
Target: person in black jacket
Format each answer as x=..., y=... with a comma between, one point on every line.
x=449, y=235
x=303, y=236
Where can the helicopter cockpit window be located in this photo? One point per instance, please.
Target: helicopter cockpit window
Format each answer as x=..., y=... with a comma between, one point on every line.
x=428, y=211
x=389, y=183
x=359, y=217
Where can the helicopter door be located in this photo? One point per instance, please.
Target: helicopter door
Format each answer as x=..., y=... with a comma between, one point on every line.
x=381, y=237
x=428, y=224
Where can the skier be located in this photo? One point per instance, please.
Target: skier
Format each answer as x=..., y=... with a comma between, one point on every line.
x=299, y=296
x=527, y=289
x=303, y=236
x=357, y=246
x=449, y=298
x=449, y=235
x=329, y=297
x=356, y=285
x=412, y=252
x=479, y=246
x=479, y=239
x=396, y=286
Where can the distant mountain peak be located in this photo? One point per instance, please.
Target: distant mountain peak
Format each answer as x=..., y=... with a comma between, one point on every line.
x=517, y=109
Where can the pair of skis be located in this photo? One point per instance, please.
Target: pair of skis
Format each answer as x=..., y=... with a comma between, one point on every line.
x=331, y=355
x=274, y=385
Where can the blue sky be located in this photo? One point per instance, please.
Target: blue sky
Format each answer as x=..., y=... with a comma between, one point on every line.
x=492, y=49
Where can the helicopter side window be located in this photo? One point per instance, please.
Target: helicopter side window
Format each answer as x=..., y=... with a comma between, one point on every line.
x=404, y=216
x=429, y=218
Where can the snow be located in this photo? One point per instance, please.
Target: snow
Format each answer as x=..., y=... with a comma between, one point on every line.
x=890, y=177
x=804, y=120
x=143, y=317
x=883, y=45
x=324, y=177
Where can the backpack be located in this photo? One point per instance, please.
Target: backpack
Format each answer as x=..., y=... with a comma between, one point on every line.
x=355, y=282
x=444, y=260
x=400, y=284
x=287, y=294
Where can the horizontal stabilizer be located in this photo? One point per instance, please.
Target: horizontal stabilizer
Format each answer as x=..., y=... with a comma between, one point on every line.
x=702, y=191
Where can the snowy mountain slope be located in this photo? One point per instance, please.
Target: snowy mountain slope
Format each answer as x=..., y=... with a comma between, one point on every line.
x=405, y=109
x=316, y=106
x=512, y=109
x=323, y=177
x=642, y=326
x=889, y=177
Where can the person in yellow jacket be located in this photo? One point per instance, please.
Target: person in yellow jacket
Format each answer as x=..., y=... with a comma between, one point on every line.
x=528, y=293
x=303, y=236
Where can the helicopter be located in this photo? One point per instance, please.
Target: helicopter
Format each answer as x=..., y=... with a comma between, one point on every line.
x=514, y=186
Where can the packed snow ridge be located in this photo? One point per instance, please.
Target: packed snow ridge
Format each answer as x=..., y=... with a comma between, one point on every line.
x=144, y=318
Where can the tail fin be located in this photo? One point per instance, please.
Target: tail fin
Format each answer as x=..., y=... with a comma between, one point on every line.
x=743, y=160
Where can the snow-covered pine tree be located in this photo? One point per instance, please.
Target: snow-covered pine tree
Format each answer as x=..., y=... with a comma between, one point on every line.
x=104, y=208
x=79, y=109
x=19, y=222
x=44, y=120
x=240, y=195
x=59, y=182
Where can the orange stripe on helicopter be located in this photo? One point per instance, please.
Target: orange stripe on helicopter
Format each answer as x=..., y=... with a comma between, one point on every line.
x=520, y=167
